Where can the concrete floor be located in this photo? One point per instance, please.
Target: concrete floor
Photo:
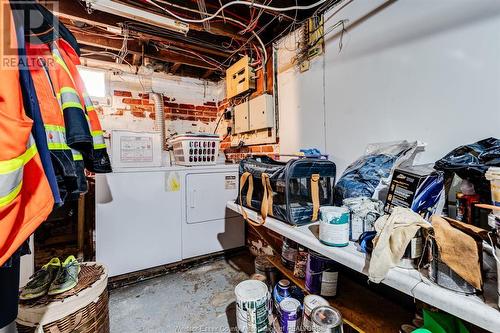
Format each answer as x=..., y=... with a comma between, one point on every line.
x=199, y=299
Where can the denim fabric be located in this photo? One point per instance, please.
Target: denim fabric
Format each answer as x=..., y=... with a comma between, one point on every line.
x=99, y=163
x=361, y=178
x=77, y=130
x=64, y=166
x=32, y=109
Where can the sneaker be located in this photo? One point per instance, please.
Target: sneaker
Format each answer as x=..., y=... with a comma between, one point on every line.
x=39, y=283
x=67, y=278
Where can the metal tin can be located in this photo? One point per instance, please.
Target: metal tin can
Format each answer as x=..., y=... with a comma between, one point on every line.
x=310, y=303
x=334, y=226
x=321, y=275
x=289, y=314
x=265, y=267
x=288, y=253
x=326, y=319
x=252, y=306
x=281, y=291
x=299, y=269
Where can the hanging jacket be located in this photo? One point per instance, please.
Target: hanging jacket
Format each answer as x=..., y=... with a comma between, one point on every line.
x=99, y=162
x=31, y=106
x=44, y=72
x=73, y=134
x=25, y=195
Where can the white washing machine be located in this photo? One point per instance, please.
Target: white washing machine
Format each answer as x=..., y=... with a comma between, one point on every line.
x=208, y=225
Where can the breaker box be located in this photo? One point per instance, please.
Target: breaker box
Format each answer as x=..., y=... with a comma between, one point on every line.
x=239, y=78
x=241, y=121
x=254, y=115
x=261, y=112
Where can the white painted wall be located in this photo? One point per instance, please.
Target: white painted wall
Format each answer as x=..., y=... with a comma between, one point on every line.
x=426, y=70
x=301, y=101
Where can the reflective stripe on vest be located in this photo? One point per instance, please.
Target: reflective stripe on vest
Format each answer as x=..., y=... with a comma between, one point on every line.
x=56, y=137
x=58, y=58
x=97, y=135
x=77, y=156
x=69, y=98
x=88, y=102
x=11, y=173
x=98, y=138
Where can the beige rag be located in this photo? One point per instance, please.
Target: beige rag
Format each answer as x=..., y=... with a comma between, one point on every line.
x=394, y=233
x=459, y=250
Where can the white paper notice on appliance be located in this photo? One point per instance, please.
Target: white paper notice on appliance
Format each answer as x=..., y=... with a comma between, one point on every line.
x=135, y=149
x=230, y=183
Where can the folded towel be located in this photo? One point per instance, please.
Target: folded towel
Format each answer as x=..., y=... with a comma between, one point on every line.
x=394, y=233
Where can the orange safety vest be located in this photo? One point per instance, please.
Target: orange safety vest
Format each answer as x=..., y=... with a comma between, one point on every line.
x=101, y=160
x=25, y=195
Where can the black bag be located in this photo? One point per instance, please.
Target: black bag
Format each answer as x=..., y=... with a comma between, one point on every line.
x=291, y=192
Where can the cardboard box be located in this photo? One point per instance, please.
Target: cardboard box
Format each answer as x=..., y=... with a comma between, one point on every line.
x=406, y=185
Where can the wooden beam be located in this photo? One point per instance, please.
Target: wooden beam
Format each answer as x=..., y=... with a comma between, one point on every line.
x=207, y=73
x=134, y=48
x=175, y=67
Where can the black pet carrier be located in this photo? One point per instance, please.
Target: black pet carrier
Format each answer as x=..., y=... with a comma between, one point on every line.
x=291, y=192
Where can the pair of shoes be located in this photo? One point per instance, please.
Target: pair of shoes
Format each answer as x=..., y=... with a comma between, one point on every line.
x=53, y=278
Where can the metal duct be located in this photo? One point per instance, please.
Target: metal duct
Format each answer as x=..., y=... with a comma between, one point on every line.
x=160, y=118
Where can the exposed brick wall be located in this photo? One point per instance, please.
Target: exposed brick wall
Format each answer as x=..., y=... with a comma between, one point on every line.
x=142, y=107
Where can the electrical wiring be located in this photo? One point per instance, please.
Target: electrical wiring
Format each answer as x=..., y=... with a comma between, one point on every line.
x=106, y=53
x=223, y=16
x=218, y=122
x=329, y=4
x=238, y=2
x=229, y=19
x=145, y=28
x=208, y=60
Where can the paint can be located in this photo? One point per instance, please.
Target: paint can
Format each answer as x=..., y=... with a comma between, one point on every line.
x=494, y=223
x=281, y=291
x=334, y=226
x=264, y=267
x=289, y=253
x=326, y=319
x=252, y=306
x=310, y=303
x=321, y=275
x=493, y=175
x=289, y=315
x=258, y=277
x=413, y=252
x=299, y=269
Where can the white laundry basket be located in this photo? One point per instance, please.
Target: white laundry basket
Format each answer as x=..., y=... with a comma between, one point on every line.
x=196, y=149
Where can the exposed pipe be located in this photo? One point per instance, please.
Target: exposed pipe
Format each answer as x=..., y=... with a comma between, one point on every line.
x=160, y=118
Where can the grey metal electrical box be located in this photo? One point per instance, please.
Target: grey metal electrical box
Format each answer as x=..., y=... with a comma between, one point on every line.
x=261, y=112
x=241, y=119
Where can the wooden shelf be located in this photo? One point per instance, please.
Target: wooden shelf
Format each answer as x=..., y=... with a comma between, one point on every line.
x=481, y=311
x=362, y=309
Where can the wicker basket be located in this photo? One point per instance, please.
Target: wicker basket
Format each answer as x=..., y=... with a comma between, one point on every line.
x=83, y=309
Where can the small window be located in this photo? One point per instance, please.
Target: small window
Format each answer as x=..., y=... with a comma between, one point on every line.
x=94, y=80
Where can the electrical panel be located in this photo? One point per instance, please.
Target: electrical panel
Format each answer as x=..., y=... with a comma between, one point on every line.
x=241, y=121
x=239, y=78
x=253, y=115
x=261, y=112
